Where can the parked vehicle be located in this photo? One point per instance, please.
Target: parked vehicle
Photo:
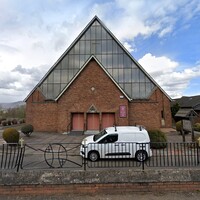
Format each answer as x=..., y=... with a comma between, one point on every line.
x=117, y=142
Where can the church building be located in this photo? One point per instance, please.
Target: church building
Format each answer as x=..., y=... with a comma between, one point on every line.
x=96, y=83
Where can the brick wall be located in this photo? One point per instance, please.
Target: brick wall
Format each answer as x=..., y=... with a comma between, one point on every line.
x=98, y=182
x=105, y=96
x=94, y=87
x=95, y=189
x=42, y=115
x=148, y=113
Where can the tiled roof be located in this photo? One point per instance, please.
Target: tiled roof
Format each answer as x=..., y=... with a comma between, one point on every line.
x=185, y=113
x=189, y=102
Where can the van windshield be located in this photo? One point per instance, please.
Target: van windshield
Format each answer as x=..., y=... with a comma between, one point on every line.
x=96, y=137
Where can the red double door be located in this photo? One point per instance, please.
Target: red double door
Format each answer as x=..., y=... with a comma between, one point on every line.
x=92, y=122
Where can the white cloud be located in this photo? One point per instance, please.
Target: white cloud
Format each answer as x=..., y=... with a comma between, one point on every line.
x=165, y=31
x=145, y=17
x=157, y=65
x=38, y=34
x=17, y=84
x=129, y=47
x=164, y=71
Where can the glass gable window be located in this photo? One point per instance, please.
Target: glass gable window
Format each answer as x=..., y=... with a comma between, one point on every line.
x=97, y=41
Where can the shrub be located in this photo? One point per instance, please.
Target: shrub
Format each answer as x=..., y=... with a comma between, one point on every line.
x=158, y=139
x=14, y=121
x=9, y=122
x=197, y=127
x=178, y=126
x=27, y=129
x=11, y=135
x=21, y=121
x=1, y=120
x=4, y=123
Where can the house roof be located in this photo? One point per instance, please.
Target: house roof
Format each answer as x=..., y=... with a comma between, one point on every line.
x=189, y=102
x=186, y=113
x=124, y=76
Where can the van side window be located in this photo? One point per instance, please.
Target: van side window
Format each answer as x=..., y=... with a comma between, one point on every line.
x=109, y=139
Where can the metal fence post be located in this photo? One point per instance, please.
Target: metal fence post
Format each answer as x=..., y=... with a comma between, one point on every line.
x=143, y=159
x=21, y=154
x=198, y=146
x=84, y=158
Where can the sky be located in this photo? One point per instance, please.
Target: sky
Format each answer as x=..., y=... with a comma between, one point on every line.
x=162, y=35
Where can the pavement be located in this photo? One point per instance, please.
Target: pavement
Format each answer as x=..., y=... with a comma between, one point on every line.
x=46, y=137
x=77, y=137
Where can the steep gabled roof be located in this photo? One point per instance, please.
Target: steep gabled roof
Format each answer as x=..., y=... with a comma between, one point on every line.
x=96, y=40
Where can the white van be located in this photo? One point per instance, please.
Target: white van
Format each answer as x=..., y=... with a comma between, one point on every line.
x=117, y=142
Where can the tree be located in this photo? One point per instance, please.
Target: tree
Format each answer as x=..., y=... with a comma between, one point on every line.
x=18, y=112
x=174, y=109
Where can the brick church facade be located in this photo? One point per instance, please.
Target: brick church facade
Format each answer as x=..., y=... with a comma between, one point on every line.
x=96, y=83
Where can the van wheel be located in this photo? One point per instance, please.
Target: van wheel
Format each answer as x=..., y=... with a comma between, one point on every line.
x=93, y=156
x=141, y=156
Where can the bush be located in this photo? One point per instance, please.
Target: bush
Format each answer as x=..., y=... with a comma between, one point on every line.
x=4, y=123
x=158, y=139
x=1, y=120
x=14, y=121
x=21, y=121
x=11, y=135
x=197, y=127
x=178, y=126
x=27, y=129
x=9, y=122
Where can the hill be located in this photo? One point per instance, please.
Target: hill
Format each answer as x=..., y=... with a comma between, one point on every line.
x=5, y=106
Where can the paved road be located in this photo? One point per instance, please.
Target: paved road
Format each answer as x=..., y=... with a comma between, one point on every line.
x=135, y=196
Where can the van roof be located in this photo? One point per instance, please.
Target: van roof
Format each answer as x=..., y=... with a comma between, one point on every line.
x=125, y=129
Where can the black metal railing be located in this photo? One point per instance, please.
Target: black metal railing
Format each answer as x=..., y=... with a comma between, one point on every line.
x=53, y=155
x=11, y=156
x=175, y=155
x=85, y=157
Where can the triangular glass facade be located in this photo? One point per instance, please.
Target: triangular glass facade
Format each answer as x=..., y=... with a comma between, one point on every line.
x=96, y=40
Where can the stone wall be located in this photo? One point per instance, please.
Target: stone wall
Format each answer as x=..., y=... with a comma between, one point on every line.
x=52, y=182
